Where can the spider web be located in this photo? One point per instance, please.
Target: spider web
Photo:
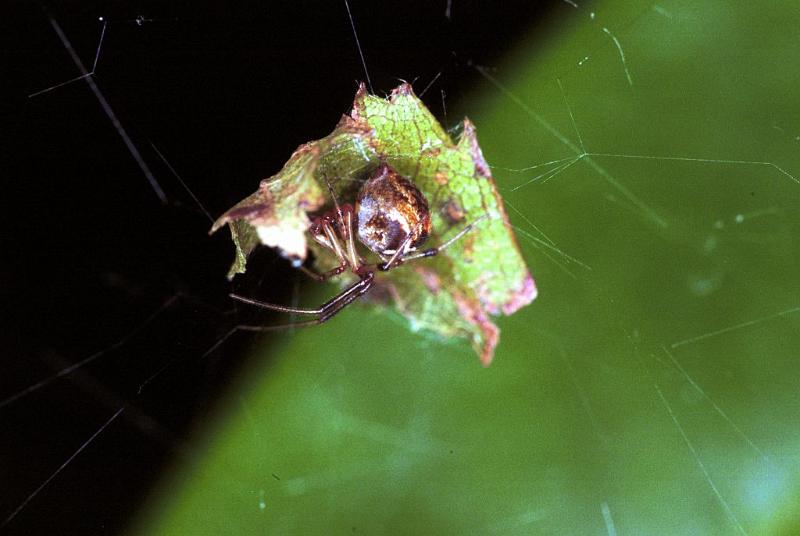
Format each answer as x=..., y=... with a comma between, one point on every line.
x=647, y=156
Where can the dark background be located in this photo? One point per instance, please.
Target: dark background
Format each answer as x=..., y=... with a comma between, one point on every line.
x=226, y=93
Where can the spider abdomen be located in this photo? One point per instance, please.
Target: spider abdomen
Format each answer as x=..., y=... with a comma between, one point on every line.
x=391, y=212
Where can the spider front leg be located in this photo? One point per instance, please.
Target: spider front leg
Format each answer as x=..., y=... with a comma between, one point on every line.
x=324, y=313
x=430, y=252
x=334, y=231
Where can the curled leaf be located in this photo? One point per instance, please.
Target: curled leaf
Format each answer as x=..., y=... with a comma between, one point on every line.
x=452, y=294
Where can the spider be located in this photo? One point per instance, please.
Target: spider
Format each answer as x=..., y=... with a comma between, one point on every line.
x=391, y=218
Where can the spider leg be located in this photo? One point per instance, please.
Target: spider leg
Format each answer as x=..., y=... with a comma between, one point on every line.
x=335, y=201
x=326, y=311
x=435, y=251
x=354, y=258
x=397, y=257
x=325, y=275
x=347, y=296
x=323, y=232
x=275, y=307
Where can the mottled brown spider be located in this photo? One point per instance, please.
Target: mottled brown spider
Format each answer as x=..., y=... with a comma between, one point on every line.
x=391, y=218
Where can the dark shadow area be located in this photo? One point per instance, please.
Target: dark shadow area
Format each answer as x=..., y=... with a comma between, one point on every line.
x=225, y=92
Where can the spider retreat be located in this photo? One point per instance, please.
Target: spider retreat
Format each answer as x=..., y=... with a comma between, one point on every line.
x=391, y=218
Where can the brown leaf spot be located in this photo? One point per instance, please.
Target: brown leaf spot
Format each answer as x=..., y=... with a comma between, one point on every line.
x=473, y=313
x=453, y=212
x=430, y=279
x=475, y=150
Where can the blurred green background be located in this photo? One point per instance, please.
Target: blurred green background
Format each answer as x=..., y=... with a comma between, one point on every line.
x=652, y=388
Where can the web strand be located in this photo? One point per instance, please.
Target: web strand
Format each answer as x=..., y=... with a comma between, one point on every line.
x=123, y=134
